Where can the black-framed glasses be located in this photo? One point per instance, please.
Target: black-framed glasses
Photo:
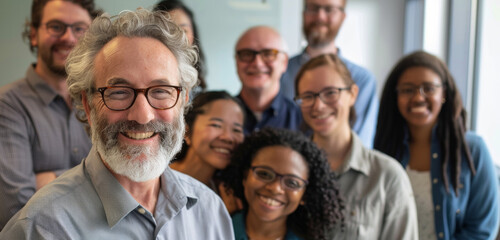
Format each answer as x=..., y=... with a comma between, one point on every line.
x=267, y=175
x=313, y=9
x=426, y=89
x=327, y=95
x=248, y=55
x=58, y=28
x=119, y=98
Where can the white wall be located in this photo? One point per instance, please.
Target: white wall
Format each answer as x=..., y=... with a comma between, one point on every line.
x=488, y=115
x=372, y=35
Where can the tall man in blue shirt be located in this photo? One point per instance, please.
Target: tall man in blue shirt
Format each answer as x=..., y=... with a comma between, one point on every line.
x=260, y=61
x=131, y=74
x=322, y=20
x=40, y=134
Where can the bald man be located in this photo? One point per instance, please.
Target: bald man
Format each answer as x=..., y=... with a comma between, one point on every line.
x=260, y=61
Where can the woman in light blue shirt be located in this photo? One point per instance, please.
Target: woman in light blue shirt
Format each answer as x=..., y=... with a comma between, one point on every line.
x=286, y=185
x=421, y=123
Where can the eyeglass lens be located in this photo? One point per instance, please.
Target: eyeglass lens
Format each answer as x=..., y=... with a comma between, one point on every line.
x=288, y=181
x=58, y=28
x=329, y=9
x=425, y=90
x=122, y=98
x=248, y=55
x=328, y=95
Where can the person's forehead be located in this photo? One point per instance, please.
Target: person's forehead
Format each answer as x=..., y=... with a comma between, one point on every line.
x=326, y=2
x=137, y=58
x=262, y=38
x=65, y=11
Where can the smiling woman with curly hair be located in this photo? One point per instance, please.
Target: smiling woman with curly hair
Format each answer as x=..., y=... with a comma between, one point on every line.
x=286, y=186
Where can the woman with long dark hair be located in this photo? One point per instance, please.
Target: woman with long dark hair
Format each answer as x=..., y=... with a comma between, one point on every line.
x=286, y=185
x=214, y=127
x=421, y=123
x=184, y=17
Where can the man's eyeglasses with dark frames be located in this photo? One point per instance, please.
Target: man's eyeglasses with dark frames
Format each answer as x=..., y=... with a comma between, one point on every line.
x=313, y=9
x=248, y=55
x=119, y=98
x=58, y=28
x=327, y=95
x=267, y=175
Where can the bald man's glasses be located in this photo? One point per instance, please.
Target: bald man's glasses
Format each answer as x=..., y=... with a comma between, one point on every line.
x=58, y=28
x=248, y=55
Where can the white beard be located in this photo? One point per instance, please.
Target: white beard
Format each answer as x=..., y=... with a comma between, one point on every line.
x=123, y=160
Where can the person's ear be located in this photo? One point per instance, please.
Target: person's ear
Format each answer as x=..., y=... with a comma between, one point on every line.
x=86, y=106
x=354, y=92
x=33, y=38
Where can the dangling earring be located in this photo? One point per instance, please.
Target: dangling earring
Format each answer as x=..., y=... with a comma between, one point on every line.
x=443, y=100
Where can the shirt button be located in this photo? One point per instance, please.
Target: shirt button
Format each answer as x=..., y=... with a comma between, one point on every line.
x=438, y=207
x=141, y=210
x=441, y=235
x=458, y=211
x=434, y=155
x=75, y=150
x=435, y=180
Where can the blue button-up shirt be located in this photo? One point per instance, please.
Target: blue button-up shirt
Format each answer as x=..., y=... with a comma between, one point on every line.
x=88, y=202
x=366, y=105
x=282, y=113
x=474, y=213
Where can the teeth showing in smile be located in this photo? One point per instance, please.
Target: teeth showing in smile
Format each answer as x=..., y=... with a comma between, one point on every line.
x=421, y=109
x=138, y=135
x=321, y=117
x=222, y=150
x=269, y=201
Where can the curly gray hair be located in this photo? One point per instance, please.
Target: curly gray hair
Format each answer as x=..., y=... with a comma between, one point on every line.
x=139, y=23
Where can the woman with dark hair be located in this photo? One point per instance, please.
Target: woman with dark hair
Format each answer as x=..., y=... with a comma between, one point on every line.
x=377, y=191
x=421, y=123
x=214, y=127
x=286, y=185
x=184, y=17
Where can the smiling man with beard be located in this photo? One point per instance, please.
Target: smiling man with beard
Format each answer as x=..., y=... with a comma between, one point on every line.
x=130, y=77
x=322, y=20
x=260, y=61
x=40, y=135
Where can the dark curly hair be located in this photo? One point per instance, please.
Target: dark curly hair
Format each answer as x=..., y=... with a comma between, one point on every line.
x=170, y=5
x=323, y=206
x=450, y=129
x=37, y=10
x=198, y=107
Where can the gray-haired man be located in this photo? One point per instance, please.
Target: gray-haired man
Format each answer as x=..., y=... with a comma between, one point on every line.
x=131, y=75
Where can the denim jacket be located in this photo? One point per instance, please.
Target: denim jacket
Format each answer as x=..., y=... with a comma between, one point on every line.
x=474, y=213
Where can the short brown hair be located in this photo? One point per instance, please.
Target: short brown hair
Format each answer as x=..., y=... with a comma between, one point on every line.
x=37, y=10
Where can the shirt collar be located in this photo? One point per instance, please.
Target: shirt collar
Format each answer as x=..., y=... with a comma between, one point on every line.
x=275, y=105
x=46, y=93
x=118, y=202
x=304, y=56
x=173, y=196
x=357, y=157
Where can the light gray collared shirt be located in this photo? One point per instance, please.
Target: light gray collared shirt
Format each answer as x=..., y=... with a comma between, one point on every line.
x=87, y=202
x=38, y=133
x=378, y=197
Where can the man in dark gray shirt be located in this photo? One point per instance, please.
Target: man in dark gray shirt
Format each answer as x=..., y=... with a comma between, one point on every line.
x=40, y=136
x=131, y=74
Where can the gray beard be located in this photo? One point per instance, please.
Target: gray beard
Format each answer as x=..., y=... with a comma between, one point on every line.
x=123, y=160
